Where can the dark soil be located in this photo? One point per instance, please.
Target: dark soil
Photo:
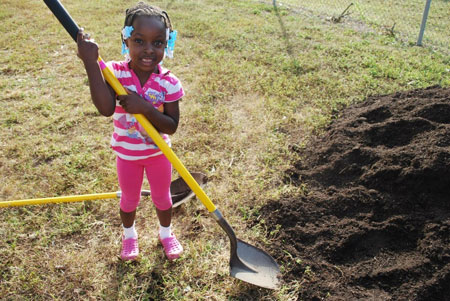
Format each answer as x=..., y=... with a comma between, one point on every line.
x=375, y=222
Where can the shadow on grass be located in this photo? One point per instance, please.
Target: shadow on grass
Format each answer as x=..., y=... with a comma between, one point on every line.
x=283, y=29
x=249, y=292
x=134, y=281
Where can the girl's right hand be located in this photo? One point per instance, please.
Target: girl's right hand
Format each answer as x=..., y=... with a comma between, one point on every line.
x=87, y=48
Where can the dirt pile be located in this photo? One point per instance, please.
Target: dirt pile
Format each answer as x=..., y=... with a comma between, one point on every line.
x=375, y=223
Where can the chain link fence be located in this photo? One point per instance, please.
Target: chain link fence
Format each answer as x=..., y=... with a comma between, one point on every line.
x=400, y=18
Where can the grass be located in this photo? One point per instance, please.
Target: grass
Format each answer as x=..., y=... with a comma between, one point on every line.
x=259, y=80
x=401, y=18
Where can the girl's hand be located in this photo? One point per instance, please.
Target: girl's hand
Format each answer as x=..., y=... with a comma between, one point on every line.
x=87, y=48
x=133, y=103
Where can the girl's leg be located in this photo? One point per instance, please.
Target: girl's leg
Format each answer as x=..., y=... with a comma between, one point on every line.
x=130, y=175
x=127, y=218
x=159, y=174
x=164, y=216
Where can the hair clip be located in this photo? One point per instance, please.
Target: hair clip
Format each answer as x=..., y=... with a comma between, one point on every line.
x=171, y=43
x=126, y=34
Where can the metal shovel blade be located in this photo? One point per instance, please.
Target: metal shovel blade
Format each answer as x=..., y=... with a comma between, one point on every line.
x=254, y=266
x=249, y=263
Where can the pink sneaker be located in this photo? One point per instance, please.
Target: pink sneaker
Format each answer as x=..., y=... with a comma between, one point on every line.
x=171, y=246
x=130, y=249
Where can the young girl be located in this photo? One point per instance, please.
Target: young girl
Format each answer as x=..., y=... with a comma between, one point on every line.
x=152, y=91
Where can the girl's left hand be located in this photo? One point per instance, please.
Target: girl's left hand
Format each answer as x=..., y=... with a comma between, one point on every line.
x=133, y=103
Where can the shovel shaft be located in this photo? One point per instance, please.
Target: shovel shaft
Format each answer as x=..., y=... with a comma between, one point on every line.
x=63, y=17
x=61, y=199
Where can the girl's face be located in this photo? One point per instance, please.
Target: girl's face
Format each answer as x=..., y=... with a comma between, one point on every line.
x=147, y=44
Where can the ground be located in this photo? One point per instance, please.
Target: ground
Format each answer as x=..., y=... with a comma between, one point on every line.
x=374, y=220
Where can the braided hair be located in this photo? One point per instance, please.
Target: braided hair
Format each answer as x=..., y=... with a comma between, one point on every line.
x=143, y=9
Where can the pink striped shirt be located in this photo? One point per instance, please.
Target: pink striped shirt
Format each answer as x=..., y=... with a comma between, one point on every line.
x=129, y=140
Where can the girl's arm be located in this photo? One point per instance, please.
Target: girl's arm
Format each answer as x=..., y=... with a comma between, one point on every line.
x=101, y=93
x=166, y=122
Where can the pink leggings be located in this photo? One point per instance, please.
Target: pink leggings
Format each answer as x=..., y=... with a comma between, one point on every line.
x=131, y=173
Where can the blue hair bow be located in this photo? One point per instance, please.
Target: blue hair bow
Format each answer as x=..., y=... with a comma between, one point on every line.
x=171, y=44
x=126, y=33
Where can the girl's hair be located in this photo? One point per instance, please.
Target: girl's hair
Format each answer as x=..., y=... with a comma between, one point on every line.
x=143, y=9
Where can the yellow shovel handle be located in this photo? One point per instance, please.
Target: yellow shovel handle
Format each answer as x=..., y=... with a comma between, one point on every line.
x=159, y=141
x=61, y=199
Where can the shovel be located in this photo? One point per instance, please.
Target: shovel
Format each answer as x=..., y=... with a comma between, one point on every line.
x=247, y=263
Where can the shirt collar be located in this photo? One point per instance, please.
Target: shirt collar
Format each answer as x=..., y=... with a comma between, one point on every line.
x=162, y=71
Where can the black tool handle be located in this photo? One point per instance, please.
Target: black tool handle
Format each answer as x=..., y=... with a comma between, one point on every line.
x=63, y=17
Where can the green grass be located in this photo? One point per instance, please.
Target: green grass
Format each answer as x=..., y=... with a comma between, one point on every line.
x=259, y=80
x=402, y=18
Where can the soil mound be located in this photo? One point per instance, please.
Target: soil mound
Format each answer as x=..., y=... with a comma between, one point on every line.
x=375, y=222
